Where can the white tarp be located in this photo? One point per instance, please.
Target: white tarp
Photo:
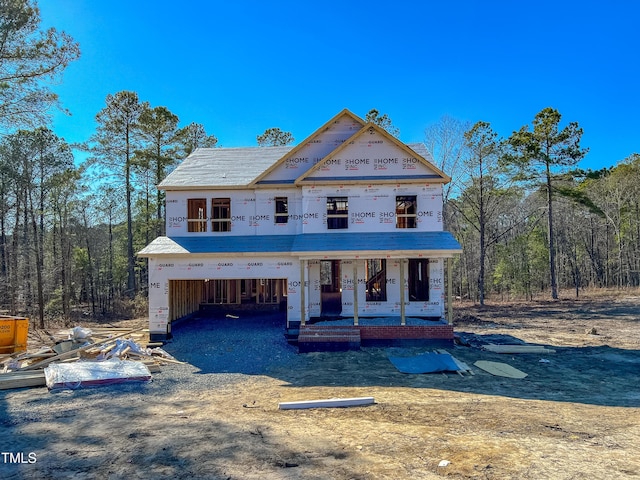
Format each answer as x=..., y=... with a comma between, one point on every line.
x=89, y=374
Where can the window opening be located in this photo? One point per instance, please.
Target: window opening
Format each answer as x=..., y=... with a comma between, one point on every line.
x=418, y=279
x=376, y=274
x=337, y=212
x=282, y=210
x=221, y=215
x=197, y=215
x=406, y=211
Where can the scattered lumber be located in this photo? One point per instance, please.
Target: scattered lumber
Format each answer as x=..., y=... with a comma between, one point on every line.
x=328, y=403
x=75, y=352
x=102, y=341
x=156, y=357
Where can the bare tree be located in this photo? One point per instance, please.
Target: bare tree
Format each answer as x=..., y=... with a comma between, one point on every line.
x=446, y=142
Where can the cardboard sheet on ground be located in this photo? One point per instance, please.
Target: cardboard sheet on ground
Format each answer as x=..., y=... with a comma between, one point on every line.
x=425, y=363
x=90, y=374
x=500, y=369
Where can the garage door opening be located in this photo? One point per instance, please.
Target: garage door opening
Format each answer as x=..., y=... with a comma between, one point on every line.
x=258, y=294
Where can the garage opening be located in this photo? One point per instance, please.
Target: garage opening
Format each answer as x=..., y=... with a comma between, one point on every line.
x=260, y=294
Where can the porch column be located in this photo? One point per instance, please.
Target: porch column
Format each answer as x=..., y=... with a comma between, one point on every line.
x=403, y=320
x=355, y=292
x=449, y=288
x=303, y=314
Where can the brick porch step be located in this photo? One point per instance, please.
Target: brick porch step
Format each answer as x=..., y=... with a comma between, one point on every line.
x=322, y=339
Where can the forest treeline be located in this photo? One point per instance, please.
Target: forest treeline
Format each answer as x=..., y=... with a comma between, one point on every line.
x=529, y=220
x=69, y=233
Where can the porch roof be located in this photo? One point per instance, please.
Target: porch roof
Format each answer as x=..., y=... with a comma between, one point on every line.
x=309, y=245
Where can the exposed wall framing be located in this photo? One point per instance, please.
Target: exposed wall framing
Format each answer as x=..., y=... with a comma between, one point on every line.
x=185, y=297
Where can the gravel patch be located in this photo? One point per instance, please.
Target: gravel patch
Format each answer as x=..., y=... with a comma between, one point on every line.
x=220, y=350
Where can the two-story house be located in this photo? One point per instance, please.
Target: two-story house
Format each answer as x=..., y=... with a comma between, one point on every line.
x=346, y=224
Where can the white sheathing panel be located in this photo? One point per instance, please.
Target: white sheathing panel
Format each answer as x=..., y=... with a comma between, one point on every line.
x=159, y=295
x=347, y=284
x=243, y=208
x=372, y=207
x=314, y=150
x=371, y=155
x=252, y=212
x=313, y=298
x=202, y=267
x=264, y=214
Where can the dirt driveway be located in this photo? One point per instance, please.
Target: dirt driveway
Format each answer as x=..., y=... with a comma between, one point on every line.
x=576, y=414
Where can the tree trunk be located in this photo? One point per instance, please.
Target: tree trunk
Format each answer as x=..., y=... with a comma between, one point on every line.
x=483, y=246
x=40, y=286
x=552, y=249
x=131, y=274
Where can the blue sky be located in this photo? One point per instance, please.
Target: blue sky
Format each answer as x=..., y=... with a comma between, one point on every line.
x=240, y=67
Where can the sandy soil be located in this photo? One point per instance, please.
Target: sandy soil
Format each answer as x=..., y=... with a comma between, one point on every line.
x=575, y=416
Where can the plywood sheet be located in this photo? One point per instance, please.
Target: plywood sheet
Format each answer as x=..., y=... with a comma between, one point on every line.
x=500, y=369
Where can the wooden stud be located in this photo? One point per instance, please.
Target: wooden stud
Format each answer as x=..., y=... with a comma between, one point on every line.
x=355, y=292
x=403, y=320
x=329, y=403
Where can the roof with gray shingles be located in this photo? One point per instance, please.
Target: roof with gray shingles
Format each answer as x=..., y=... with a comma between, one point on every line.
x=306, y=243
x=222, y=167
x=233, y=167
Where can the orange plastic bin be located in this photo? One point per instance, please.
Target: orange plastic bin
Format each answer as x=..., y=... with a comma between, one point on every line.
x=13, y=334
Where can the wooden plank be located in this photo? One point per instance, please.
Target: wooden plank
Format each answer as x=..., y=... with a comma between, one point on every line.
x=13, y=380
x=517, y=349
x=36, y=355
x=328, y=403
x=157, y=358
x=461, y=365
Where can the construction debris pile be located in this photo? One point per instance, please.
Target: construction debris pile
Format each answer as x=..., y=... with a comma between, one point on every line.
x=80, y=357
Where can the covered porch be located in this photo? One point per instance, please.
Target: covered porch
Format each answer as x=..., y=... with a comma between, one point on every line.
x=376, y=290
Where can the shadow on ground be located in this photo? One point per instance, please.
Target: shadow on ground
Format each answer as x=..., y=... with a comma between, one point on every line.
x=255, y=345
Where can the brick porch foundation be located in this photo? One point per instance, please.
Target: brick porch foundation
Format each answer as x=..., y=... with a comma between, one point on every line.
x=314, y=338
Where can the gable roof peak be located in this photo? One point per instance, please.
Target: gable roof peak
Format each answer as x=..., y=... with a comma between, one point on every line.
x=294, y=151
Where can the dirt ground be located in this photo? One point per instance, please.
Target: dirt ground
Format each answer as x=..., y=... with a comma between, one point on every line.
x=576, y=415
